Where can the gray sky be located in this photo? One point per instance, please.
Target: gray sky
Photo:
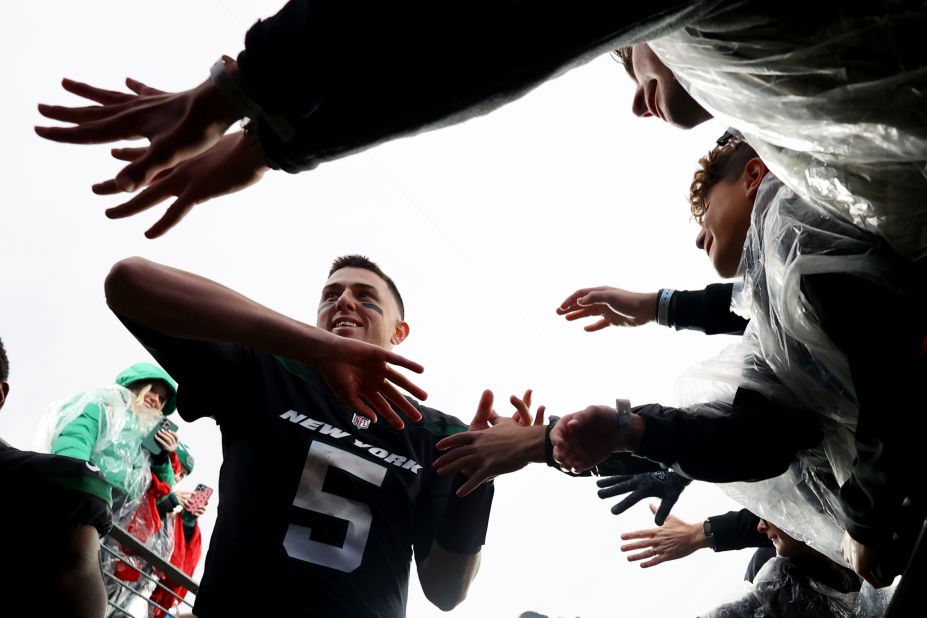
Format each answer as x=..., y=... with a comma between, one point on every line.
x=486, y=227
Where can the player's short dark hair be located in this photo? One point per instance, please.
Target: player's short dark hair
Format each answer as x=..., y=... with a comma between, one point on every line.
x=725, y=163
x=362, y=261
x=4, y=364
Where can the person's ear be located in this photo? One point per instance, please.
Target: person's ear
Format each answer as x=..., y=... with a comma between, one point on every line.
x=400, y=332
x=754, y=173
x=4, y=390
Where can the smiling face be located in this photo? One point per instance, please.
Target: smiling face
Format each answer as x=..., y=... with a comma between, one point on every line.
x=357, y=303
x=726, y=209
x=659, y=93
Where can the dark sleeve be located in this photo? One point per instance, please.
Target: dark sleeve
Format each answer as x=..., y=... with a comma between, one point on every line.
x=457, y=524
x=880, y=333
x=708, y=311
x=212, y=377
x=349, y=75
x=737, y=530
x=753, y=439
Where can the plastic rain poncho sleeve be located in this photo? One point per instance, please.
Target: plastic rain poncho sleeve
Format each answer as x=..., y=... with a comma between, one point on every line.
x=792, y=247
x=782, y=590
x=833, y=100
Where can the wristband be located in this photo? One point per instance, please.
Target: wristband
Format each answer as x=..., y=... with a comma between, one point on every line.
x=706, y=529
x=663, y=304
x=234, y=91
x=463, y=527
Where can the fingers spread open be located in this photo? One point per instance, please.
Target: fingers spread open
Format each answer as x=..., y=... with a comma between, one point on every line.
x=617, y=489
x=647, y=544
x=398, y=399
x=608, y=481
x=97, y=132
x=100, y=95
x=451, y=457
x=79, y=115
x=570, y=301
x=627, y=503
x=172, y=216
x=591, y=328
x=637, y=534
x=385, y=411
x=465, y=462
x=139, y=88
x=151, y=196
x=455, y=441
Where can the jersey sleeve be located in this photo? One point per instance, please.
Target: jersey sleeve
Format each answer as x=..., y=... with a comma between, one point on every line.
x=212, y=377
x=737, y=530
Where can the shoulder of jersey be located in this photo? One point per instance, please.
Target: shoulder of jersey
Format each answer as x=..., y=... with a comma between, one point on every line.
x=436, y=422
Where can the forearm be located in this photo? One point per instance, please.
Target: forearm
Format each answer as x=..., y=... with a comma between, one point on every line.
x=424, y=70
x=187, y=306
x=751, y=440
x=446, y=576
x=708, y=311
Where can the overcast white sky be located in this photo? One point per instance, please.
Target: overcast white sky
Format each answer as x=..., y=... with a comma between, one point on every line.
x=485, y=227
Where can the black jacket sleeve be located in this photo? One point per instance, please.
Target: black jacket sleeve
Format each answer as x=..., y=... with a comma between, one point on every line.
x=349, y=75
x=708, y=311
x=881, y=334
x=737, y=530
x=753, y=439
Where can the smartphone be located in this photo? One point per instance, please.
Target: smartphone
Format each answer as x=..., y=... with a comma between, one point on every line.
x=198, y=498
x=149, y=443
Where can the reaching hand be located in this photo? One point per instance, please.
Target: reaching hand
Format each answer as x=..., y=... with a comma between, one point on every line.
x=673, y=540
x=355, y=370
x=865, y=561
x=494, y=445
x=522, y=414
x=586, y=438
x=231, y=165
x=667, y=486
x=615, y=307
x=167, y=439
x=178, y=125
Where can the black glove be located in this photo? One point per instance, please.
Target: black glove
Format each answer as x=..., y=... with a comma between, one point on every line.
x=663, y=485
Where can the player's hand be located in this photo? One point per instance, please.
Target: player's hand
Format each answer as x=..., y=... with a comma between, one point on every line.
x=865, y=561
x=168, y=440
x=522, y=407
x=494, y=445
x=178, y=125
x=586, y=438
x=665, y=485
x=673, y=540
x=231, y=165
x=613, y=307
x=360, y=374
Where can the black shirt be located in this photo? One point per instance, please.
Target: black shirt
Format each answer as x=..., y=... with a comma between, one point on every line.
x=319, y=512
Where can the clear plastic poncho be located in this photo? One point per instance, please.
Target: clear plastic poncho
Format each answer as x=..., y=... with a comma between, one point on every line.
x=785, y=355
x=835, y=106
x=782, y=590
x=117, y=450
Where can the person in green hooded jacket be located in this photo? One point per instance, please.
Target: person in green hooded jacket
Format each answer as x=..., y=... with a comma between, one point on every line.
x=106, y=427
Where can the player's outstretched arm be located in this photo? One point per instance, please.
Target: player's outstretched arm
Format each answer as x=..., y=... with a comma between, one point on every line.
x=184, y=305
x=613, y=307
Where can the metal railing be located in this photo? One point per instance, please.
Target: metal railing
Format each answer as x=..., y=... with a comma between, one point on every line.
x=137, y=550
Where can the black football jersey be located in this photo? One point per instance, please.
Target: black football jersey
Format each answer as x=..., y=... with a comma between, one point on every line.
x=319, y=510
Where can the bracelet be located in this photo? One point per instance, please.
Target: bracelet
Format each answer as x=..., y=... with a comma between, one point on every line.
x=663, y=303
x=235, y=93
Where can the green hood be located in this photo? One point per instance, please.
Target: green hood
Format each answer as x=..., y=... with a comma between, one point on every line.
x=147, y=371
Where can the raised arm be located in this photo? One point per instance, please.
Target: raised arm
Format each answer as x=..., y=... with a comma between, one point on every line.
x=325, y=79
x=186, y=306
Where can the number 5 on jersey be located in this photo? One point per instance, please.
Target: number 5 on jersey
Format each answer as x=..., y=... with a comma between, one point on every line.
x=310, y=496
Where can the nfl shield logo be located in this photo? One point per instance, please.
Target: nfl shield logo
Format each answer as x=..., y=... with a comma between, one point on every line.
x=361, y=422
